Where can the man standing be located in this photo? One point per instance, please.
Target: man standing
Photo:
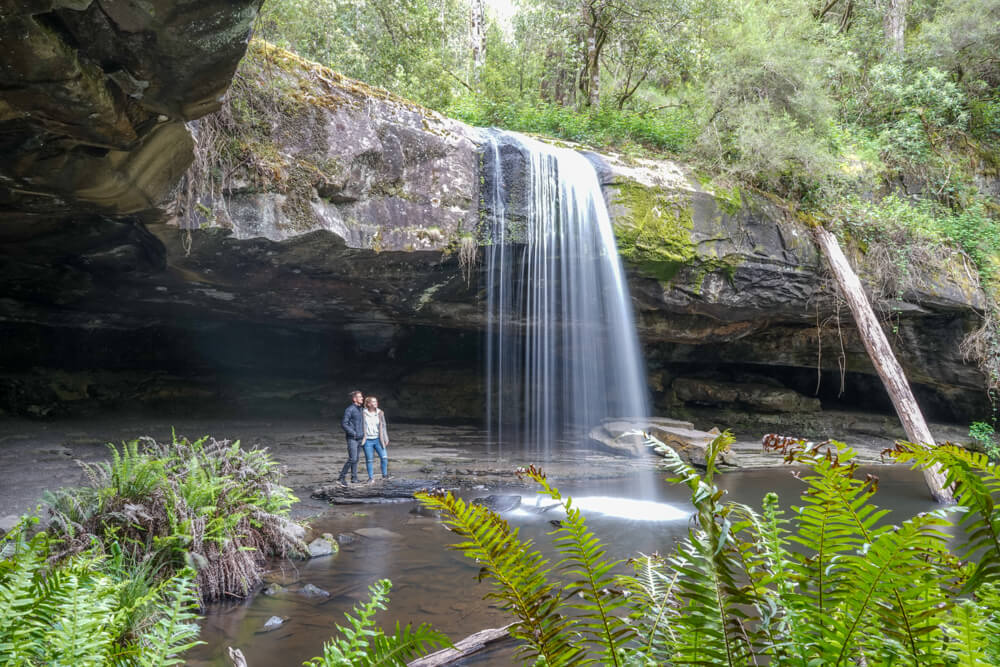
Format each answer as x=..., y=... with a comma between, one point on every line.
x=354, y=426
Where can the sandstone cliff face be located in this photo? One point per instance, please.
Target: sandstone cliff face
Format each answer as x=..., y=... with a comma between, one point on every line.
x=314, y=246
x=96, y=92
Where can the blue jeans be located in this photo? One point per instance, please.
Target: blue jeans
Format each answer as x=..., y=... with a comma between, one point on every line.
x=374, y=445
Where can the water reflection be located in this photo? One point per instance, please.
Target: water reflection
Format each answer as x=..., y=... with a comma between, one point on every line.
x=612, y=507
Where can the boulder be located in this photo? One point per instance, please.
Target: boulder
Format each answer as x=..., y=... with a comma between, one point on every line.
x=273, y=623
x=627, y=437
x=378, y=534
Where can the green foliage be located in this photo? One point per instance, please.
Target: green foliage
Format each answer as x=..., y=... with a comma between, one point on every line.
x=913, y=111
x=81, y=612
x=984, y=434
x=607, y=127
x=207, y=504
x=363, y=644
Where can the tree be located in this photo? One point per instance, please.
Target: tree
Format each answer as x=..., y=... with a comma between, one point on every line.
x=478, y=39
x=894, y=24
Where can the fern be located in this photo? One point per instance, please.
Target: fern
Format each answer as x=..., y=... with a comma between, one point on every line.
x=976, y=481
x=363, y=644
x=653, y=603
x=593, y=583
x=711, y=618
x=175, y=630
x=520, y=577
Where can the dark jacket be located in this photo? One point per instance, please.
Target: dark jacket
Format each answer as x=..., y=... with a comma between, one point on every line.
x=353, y=423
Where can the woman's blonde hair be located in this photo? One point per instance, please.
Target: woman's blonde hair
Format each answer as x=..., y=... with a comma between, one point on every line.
x=369, y=399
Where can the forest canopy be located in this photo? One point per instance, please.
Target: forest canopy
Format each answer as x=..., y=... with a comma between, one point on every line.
x=795, y=96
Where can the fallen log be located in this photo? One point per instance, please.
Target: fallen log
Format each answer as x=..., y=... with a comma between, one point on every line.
x=882, y=357
x=465, y=647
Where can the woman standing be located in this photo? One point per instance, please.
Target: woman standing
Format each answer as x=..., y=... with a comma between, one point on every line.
x=376, y=437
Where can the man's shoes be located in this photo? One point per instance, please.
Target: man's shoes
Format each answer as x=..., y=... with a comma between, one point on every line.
x=342, y=483
x=354, y=481
x=384, y=477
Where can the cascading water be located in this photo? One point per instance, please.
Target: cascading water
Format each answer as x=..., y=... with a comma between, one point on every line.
x=562, y=350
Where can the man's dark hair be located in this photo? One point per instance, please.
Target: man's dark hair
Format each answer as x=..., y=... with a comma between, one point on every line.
x=354, y=393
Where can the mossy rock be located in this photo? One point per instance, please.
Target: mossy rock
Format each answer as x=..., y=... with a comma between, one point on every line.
x=653, y=229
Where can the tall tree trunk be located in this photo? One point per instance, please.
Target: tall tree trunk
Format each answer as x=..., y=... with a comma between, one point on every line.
x=894, y=23
x=593, y=40
x=593, y=69
x=478, y=40
x=882, y=357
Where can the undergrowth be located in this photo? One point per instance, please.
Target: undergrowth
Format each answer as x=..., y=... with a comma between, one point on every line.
x=91, y=609
x=208, y=504
x=608, y=127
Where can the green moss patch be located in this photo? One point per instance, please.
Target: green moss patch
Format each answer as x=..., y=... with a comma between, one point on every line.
x=654, y=233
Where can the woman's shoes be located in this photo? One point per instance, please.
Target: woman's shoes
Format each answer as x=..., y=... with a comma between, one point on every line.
x=370, y=481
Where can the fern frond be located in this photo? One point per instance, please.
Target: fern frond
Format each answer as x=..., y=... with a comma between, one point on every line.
x=712, y=620
x=976, y=481
x=405, y=644
x=519, y=573
x=653, y=603
x=583, y=557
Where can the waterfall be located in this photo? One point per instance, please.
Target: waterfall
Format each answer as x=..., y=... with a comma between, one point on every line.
x=561, y=347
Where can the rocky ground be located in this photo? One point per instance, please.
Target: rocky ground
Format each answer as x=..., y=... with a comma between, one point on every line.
x=40, y=455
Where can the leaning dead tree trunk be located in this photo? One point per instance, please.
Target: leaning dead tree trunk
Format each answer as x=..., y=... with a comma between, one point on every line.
x=882, y=357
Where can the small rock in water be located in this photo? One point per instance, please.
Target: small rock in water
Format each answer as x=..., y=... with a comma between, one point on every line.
x=322, y=546
x=311, y=591
x=273, y=623
x=273, y=589
x=345, y=538
x=377, y=533
x=499, y=503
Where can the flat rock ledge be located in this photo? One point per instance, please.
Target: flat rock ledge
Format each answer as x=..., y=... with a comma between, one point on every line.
x=628, y=437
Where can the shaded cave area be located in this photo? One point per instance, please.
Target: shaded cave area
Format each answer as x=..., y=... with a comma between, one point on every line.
x=234, y=369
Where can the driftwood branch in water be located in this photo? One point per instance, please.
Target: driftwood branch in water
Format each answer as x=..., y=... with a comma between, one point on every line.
x=882, y=357
x=236, y=656
x=463, y=648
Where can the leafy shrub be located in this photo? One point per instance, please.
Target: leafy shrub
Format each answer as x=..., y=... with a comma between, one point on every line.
x=207, y=504
x=983, y=434
x=914, y=110
x=88, y=610
x=363, y=643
